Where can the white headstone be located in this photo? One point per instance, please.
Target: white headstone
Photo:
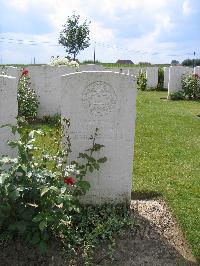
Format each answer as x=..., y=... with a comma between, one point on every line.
x=118, y=70
x=175, y=76
x=166, y=77
x=144, y=69
x=46, y=81
x=11, y=71
x=103, y=100
x=134, y=71
x=152, y=77
x=8, y=112
x=91, y=67
x=197, y=70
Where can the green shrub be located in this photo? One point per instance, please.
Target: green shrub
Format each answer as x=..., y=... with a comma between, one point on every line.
x=54, y=120
x=142, y=82
x=160, y=86
x=27, y=98
x=39, y=198
x=191, y=86
x=175, y=96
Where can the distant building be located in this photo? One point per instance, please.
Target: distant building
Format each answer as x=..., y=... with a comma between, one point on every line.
x=124, y=62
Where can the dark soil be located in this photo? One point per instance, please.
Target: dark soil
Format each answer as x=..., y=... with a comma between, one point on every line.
x=156, y=241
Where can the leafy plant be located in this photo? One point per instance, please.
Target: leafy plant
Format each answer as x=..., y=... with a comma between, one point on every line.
x=39, y=195
x=93, y=226
x=174, y=96
x=142, y=82
x=27, y=98
x=75, y=36
x=191, y=86
x=160, y=86
x=54, y=120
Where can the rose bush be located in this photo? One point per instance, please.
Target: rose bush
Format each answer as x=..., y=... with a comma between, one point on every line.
x=191, y=86
x=27, y=99
x=39, y=196
x=142, y=81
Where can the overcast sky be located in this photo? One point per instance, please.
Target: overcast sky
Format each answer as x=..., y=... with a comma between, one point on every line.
x=156, y=31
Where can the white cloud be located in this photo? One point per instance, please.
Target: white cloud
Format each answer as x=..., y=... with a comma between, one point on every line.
x=161, y=13
x=187, y=9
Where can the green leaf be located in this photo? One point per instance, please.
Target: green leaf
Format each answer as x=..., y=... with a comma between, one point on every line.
x=6, y=125
x=63, y=189
x=102, y=160
x=14, y=194
x=27, y=213
x=84, y=155
x=21, y=226
x=38, y=218
x=14, y=129
x=83, y=184
x=45, y=236
x=91, y=169
x=35, y=238
x=97, y=147
x=91, y=159
x=20, y=188
x=43, y=225
x=5, y=160
x=44, y=190
x=96, y=166
x=12, y=227
x=12, y=143
x=42, y=247
x=3, y=177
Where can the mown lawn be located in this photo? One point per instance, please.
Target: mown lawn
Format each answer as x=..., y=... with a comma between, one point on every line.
x=167, y=158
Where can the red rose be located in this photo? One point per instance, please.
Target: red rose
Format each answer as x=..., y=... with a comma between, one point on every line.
x=24, y=72
x=69, y=180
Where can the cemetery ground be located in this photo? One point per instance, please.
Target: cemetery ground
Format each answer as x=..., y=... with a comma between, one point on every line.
x=166, y=166
x=167, y=153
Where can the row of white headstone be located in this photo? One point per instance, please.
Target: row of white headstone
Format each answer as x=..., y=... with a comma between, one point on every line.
x=94, y=99
x=46, y=81
x=103, y=100
x=174, y=74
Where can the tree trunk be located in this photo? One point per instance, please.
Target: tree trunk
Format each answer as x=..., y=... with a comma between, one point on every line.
x=74, y=56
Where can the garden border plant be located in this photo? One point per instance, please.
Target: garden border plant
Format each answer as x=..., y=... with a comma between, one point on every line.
x=142, y=81
x=190, y=88
x=39, y=198
x=27, y=98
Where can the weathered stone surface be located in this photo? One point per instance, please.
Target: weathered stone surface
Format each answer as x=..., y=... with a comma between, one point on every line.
x=197, y=70
x=46, y=81
x=91, y=67
x=11, y=71
x=8, y=112
x=103, y=100
x=175, y=75
x=152, y=77
x=134, y=71
x=166, y=77
x=123, y=70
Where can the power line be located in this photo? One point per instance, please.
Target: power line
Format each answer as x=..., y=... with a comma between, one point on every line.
x=102, y=44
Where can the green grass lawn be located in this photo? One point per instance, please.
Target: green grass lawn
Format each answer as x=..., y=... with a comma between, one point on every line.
x=167, y=157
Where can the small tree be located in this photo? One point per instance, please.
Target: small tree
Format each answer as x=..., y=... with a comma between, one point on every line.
x=75, y=36
x=174, y=62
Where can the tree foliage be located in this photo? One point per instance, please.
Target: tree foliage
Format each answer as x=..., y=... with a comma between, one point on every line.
x=75, y=36
x=175, y=62
x=191, y=62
